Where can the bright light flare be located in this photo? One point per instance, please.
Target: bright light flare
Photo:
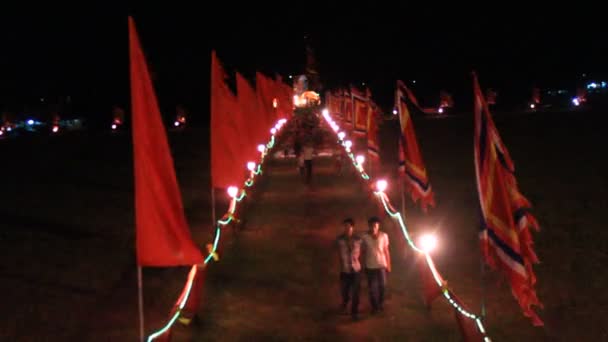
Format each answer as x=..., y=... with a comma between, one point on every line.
x=341, y=135
x=114, y=126
x=176, y=123
x=360, y=159
x=273, y=130
x=381, y=185
x=55, y=129
x=440, y=110
x=348, y=144
x=261, y=148
x=250, y=166
x=428, y=242
x=232, y=191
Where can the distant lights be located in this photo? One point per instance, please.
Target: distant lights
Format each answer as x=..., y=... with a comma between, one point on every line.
x=176, y=123
x=55, y=129
x=30, y=122
x=114, y=126
x=576, y=101
x=532, y=106
x=395, y=112
x=440, y=110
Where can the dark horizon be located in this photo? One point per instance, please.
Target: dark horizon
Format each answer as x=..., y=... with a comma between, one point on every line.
x=86, y=57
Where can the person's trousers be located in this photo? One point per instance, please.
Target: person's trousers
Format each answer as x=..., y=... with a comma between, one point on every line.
x=308, y=167
x=376, y=282
x=350, y=283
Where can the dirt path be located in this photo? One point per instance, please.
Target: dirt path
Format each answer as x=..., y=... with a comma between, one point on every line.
x=278, y=279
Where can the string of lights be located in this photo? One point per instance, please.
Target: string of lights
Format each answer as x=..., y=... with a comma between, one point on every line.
x=427, y=242
x=236, y=195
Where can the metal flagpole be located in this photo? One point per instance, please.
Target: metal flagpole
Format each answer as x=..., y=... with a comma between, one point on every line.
x=141, y=304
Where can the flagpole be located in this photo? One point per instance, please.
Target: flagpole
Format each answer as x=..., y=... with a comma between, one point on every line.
x=141, y=304
x=483, y=289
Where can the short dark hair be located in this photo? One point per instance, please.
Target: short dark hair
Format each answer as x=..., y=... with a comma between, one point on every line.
x=348, y=221
x=372, y=220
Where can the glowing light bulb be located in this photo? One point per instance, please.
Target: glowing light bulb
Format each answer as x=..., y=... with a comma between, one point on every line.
x=381, y=185
x=428, y=242
x=232, y=191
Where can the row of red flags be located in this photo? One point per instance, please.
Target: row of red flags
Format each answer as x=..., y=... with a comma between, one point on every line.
x=239, y=123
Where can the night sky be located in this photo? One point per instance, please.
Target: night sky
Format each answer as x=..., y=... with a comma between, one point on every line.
x=85, y=55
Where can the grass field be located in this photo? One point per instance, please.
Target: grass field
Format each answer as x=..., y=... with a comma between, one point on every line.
x=68, y=271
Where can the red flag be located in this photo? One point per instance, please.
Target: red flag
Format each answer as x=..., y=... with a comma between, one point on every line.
x=373, y=147
x=468, y=327
x=415, y=171
x=506, y=241
x=162, y=233
x=430, y=288
x=285, y=99
x=265, y=92
x=253, y=128
x=347, y=108
x=226, y=151
x=361, y=109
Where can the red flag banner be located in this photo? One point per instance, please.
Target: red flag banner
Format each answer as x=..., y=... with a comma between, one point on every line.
x=226, y=161
x=162, y=233
x=415, y=172
x=506, y=241
x=468, y=327
x=251, y=127
x=373, y=147
x=361, y=111
x=347, y=109
x=266, y=93
x=430, y=288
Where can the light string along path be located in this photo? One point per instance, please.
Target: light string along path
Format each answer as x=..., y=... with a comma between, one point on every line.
x=428, y=241
x=236, y=195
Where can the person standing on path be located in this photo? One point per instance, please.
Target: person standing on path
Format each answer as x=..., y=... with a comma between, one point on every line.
x=308, y=152
x=377, y=261
x=349, y=248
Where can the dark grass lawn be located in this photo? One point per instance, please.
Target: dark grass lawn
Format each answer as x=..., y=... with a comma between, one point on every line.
x=66, y=241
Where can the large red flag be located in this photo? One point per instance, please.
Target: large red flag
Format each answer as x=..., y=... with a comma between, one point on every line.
x=253, y=128
x=162, y=234
x=415, y=171
x=506, y=241
x=285, y=98
x=265, y=91
x=226, y=150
